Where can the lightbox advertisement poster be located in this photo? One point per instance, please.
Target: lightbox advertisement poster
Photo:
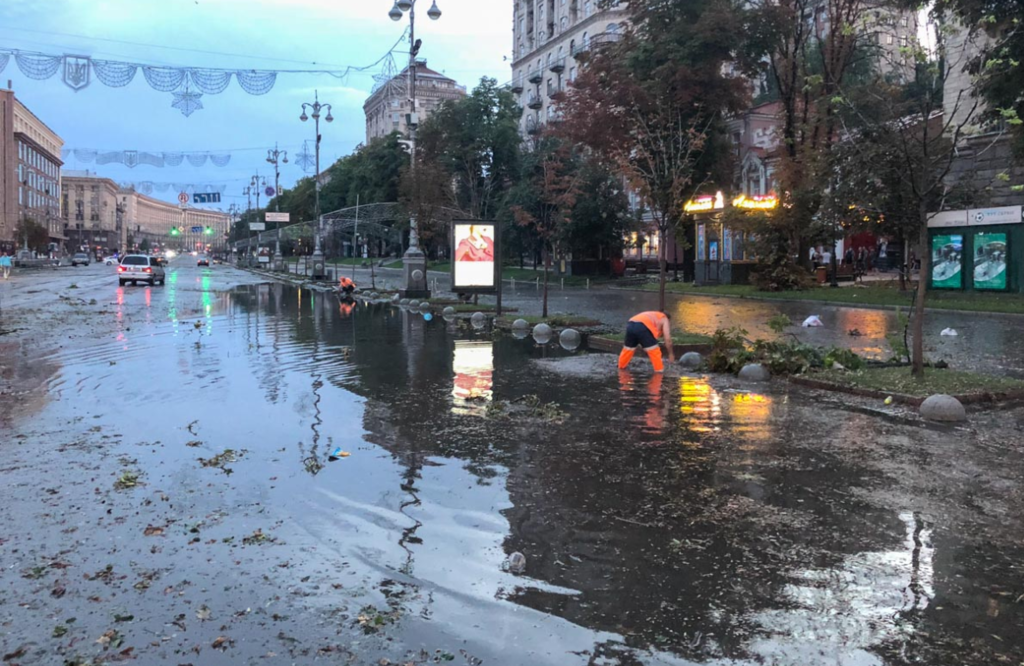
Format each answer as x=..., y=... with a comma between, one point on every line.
x=990, y=261
x=474, y=267
x=947, y=261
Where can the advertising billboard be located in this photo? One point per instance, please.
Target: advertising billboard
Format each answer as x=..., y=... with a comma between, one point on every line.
x=474, y=256
x=947, y=261
x=990, y=261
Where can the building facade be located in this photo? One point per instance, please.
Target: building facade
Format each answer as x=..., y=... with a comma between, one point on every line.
x=30, y=173
x=547, y=37
x=387, y=107
x=104, y=218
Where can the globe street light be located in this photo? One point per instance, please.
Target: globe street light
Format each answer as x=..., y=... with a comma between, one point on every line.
x=317, y=107
x=414, y=261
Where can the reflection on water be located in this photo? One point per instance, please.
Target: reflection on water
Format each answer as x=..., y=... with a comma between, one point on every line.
x=473, y=367
x=868, y=598
x=670, y=521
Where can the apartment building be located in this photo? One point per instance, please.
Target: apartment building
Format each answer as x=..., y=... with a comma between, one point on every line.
x=30, y=167
x=387, y=108
x=548, y=38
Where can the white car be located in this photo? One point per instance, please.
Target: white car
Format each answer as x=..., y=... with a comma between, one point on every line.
x=110, y=261
x=137, y=268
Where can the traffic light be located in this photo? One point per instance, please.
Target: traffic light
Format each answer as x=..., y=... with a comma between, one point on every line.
x=174, y=231
x=209, y=230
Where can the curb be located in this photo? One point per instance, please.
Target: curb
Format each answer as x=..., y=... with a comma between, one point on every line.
x=914, y=401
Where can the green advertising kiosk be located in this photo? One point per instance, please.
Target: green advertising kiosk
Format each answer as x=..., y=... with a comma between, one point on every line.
x=980, y=249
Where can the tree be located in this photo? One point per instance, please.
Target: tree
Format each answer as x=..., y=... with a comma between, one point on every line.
x=427, y=195
x=544, y=197
x=908, y=135
x=34, y=235
x=476, y=141
x=652, y=104
x=812, y=49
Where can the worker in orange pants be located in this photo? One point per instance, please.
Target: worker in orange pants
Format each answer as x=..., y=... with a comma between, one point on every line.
x=644, y=330
x=346, y=286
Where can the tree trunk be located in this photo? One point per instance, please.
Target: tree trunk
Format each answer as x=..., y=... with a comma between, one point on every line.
x=663, y=270
x=547, y=262
x=917, y=326
x=905, y=268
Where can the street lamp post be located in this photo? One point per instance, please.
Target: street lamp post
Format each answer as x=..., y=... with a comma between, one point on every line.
x=257, y=184
x=317, y=107
x=415, y=262
x=276, y=157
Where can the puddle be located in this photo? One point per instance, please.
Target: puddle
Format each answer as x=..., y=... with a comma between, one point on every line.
x=664, y=520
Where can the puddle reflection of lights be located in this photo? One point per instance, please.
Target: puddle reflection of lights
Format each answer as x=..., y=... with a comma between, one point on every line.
x=473, y=366
x=700, y=402
x=750, y=413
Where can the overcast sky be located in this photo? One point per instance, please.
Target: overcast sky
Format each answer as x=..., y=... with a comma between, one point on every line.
x=468, y=42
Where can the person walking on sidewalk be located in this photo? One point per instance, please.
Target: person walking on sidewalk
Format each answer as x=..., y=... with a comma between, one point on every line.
x=644, y=330
x=5, y=265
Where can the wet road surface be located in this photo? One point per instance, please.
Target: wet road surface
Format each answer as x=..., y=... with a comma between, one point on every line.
x=170, y=497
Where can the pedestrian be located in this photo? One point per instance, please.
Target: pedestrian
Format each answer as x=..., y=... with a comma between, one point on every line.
x=848, y=257
x=644, y=330
x=5, y=264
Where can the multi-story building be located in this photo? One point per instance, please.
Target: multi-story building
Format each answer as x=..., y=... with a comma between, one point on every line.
x=104, y=218
x=547, y=37
x=387, y=107
x=30, y=167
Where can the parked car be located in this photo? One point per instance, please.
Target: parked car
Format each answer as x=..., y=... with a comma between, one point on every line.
x=80, y=259
x=137, y=268
x=203, y=260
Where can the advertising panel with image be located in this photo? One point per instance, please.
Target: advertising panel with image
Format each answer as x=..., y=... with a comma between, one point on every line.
x=990, y=261
x=947, y=261
x=474, y=267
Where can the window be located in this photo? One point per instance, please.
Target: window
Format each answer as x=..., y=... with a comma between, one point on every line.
x=587, y=8
x=572, y=73
x=903, y=40
x=888, y=39
x=613, y=28
x=905, y=21
x=564, y=23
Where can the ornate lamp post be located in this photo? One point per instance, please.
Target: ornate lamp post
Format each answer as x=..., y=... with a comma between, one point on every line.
x=277, y=157
x=317, y=107
x=255, y=185
x=415, y=262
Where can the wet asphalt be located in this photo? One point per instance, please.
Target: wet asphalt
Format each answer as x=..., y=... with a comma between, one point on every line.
x=170, y=495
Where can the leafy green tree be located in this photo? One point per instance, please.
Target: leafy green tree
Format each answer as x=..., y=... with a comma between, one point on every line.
x=33, y=234
x=476, y=140
x=652, y=104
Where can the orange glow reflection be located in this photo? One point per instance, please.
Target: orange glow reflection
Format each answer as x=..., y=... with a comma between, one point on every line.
x=750, y=413
x=700, y=403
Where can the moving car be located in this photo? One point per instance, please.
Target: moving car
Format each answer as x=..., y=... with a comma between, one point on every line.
x=203, y=260
x=137, y=268
x=110, y=261
x=80, y=258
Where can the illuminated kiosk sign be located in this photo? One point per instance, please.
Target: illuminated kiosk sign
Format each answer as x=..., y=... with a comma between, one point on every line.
x=476, y=245
x=703, y=203
x=756, y=201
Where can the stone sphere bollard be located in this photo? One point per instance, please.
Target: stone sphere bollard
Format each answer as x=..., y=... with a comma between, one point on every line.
x=944, y=408
x=542, y=334
x=691, y=360
x=570, y=339
x=413, y=305
x=754, y=372
x=478, y=320
x=374, y=295
x=404, y=302
x=448, y=313
x=425, y=307
x=520, y=324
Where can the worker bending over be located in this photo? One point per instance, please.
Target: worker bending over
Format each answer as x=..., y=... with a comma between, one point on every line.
x=346, y=286
x=644, y=330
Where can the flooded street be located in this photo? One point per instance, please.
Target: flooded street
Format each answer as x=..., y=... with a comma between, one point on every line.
x=228, y=471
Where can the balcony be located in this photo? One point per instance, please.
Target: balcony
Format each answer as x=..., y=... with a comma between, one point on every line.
x=535, y=77
x=596, y=42
x=517, y=87
x=557, y=67
x=532, y=127
x=535, y=102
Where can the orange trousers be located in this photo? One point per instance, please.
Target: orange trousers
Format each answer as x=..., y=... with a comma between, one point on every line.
x=654, y=353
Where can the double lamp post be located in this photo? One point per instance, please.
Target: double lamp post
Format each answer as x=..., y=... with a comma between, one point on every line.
x=318, y=252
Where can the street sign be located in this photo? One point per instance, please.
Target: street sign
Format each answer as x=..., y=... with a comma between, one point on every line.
x=269, y=191
x=206, y=197
x=278, y=217
x=257, y=226
x=181, y=230
x=183, y=198
x=197, y=230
